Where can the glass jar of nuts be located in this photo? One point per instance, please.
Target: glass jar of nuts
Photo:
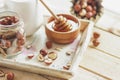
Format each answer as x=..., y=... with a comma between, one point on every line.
x=12, y=34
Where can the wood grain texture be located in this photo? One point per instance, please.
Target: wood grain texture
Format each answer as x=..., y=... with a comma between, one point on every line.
x=109, y=43
x=109, y=22
x=101, y=63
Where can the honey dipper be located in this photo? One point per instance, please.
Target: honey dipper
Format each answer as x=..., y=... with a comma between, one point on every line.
x=61, y=23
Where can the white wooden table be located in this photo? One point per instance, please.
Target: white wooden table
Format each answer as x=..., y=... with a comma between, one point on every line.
x=99, y=63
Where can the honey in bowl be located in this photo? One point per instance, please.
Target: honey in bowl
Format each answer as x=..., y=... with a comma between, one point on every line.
x=64, y=32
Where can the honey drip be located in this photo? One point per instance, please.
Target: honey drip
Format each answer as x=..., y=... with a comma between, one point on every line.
x=62, y=25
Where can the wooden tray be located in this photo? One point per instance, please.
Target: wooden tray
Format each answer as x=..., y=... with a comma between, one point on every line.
x=79, y=46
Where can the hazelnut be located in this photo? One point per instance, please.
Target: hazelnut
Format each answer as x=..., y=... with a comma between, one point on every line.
x=48, y=61
x=8, y=43
x=90, y=1
x=66, y=67
x=89, y=15
x=19, y=35
x=40, y=58
x=82, y=12
x=95, y=43
x=84, y=5
x=49, y=44
x=30, y=56
x=89, y=8
x=96, y=35
x=2, y=73
x=94, y=12
x=77, y=7
x=3, y=22
x=52, y=55
x=10, y=76
x=14, y=19
x=20, y=42
x=43, y=52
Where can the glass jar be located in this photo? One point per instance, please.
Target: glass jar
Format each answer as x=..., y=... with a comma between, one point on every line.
x=12, y=34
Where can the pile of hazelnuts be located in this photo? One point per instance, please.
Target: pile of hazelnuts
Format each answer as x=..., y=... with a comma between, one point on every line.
x=87, y=9
x=8, y=20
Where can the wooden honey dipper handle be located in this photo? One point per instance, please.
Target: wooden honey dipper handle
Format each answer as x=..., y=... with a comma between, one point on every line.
x=52, y=13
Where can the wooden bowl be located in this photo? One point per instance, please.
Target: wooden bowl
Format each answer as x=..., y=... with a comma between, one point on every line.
x=63, y=37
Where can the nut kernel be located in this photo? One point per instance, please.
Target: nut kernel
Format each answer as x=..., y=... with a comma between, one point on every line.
x=48, y=61
x=52, y=55
x=41, y=58
x=30, y=56
x=10, y=76
x=49, y=44
x=43, y=52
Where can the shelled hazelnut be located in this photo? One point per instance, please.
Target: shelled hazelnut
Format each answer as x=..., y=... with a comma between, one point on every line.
x=48, y=61
x=49, y=44
x=95, y=43
x=30, y=55
x=67, y=66
x=96, y=35
x=10, y=76
x=40, y=58
x=52, y=55
x=7, y=76
x=95, y=39
x=8, y=20
x=43, y=52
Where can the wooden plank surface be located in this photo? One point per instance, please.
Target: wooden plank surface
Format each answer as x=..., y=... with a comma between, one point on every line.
x=101, y=63
x=109, y=43
x=109, y=21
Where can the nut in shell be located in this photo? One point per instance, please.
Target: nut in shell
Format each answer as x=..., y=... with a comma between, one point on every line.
x=2, y=73
x=41, y=58
x=52, y=55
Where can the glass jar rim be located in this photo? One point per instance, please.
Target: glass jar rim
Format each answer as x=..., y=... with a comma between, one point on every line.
x=8, y=14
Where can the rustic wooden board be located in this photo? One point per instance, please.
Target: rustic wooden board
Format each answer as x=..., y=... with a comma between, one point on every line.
x=101, y=63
